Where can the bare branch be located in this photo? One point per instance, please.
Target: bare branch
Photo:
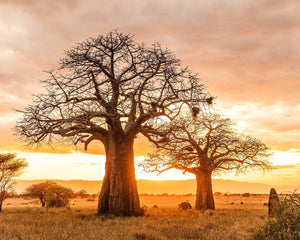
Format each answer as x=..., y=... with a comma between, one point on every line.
x=110, y=84
x=208, y=143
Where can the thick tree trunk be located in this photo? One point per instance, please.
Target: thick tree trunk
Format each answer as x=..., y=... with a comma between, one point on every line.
x=204, y=196
x=2, y=196
x=119, y=195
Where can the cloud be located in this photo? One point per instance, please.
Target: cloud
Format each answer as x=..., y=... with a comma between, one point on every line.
x=246, y=52
x=287, y=166
x=243, y=50
x=92, y=164
x=276, y=124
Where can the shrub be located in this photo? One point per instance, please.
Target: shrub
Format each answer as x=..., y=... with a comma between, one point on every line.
x=50, y=193
x=82, y=194
x=91, y=200
x=285, y=223
x=216, y=194
x=246, y=194
x=39, y=191
x=58, y=196
x=57, y=202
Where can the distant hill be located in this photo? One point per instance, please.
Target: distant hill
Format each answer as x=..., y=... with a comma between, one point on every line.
x=219, y=185
x=166, y=186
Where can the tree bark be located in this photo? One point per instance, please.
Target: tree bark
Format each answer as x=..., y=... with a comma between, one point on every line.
x=2, y=195
x=119, y=195
x=204, y=196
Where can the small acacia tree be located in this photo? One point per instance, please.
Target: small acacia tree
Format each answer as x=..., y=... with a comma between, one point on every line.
x=110, y=89
x=204, y=145
x=50, y=193
x=39, y=191
x=10, y=166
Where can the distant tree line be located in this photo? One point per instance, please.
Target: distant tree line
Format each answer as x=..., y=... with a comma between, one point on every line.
x=49, y=193
x=52, y=194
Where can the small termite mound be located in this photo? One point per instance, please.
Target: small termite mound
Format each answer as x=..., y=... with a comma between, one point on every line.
x=273, y=201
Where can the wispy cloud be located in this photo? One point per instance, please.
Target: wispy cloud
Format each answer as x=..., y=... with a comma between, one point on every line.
x=286, y=166
x=91, y=164
x=246, y=52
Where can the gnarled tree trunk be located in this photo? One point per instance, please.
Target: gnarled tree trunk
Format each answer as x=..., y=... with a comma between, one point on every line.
x=204, y=196
x=119, y=195
x=2, y=195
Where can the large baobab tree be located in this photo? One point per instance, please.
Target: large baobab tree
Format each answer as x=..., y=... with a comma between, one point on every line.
x=204, y=145
x=110, y=89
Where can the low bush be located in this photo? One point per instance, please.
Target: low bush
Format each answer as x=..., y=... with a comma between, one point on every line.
x=57, y=202
x=91, y=200
x=285, y=223
x=246, y=194
x=57, y=196
x=216, y=194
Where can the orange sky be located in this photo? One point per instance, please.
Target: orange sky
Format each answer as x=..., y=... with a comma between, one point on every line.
x=247, y=53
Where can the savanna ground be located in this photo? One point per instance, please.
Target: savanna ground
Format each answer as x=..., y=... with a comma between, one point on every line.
x=23, y=219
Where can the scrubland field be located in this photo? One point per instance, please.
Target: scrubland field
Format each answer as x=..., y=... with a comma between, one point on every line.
x=24, y=219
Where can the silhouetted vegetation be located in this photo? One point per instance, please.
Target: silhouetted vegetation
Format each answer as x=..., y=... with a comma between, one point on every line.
x=206, y=144
x=246, y=195
x=58, y=196
x=82, y=194
x=285, y=221
x=10, y=167
x=50, y=194
x=39, y=191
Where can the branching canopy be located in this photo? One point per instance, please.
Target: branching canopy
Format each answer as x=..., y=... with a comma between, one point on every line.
x=110, y=83
x=209, y=142
x=10, y=166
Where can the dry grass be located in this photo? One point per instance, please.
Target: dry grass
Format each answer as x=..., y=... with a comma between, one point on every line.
x=222, y=202
x=167, y=222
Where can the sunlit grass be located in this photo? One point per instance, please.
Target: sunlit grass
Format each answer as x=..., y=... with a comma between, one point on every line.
x=162, y=223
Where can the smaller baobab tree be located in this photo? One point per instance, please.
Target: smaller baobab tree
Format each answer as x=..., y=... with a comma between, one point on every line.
x=10, y=167
x=206, y=144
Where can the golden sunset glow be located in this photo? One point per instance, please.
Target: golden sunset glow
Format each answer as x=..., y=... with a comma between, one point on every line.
x=79, y=165
x=247, y=55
